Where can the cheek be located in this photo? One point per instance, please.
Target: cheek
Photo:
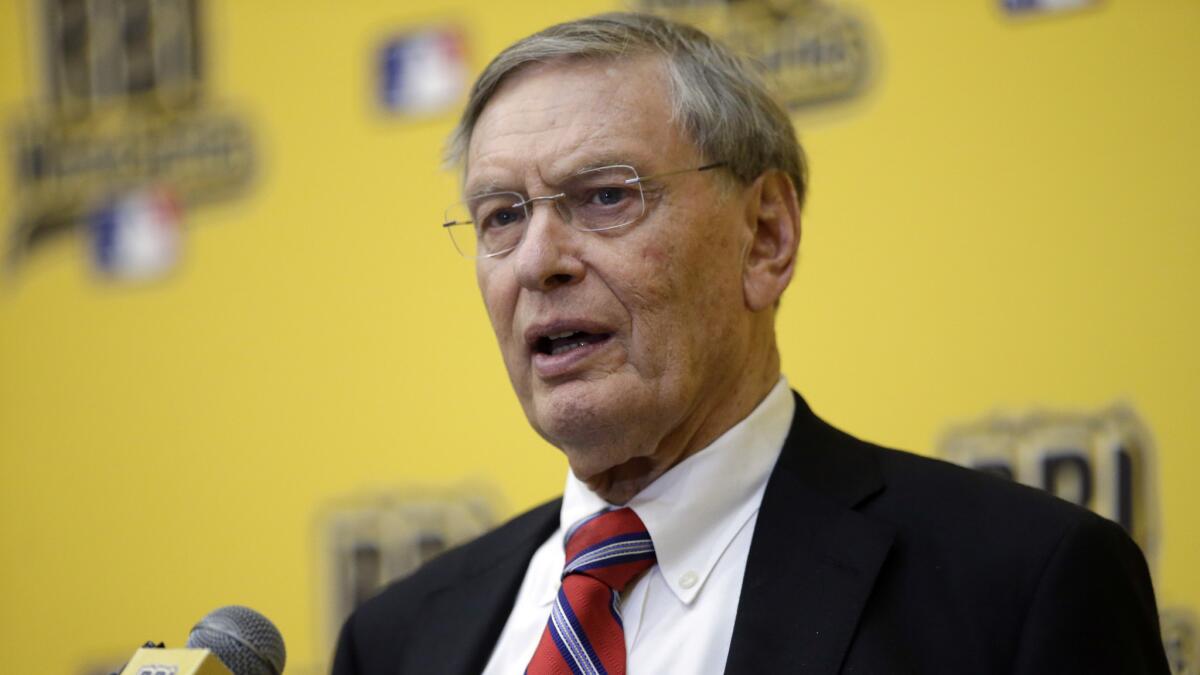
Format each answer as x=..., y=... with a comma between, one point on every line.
x=655, y=254
x=692, y=286
x=662, y=291
x=500, y=293
x=499, y=299
x=644, y=281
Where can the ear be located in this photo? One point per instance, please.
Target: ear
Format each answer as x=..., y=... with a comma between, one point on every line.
x=770, y=258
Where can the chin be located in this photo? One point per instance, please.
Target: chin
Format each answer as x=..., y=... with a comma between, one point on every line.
x=586, y=423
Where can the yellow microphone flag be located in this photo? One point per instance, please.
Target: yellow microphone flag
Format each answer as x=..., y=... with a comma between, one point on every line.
x=175, y=662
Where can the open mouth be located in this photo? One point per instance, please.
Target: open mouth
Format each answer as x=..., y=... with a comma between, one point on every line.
x=561, y=343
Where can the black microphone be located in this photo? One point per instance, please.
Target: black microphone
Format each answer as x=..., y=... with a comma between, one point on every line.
x=245, y=641
x=228, y=641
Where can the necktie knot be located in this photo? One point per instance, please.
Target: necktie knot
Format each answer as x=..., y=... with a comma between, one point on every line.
x=612, y=547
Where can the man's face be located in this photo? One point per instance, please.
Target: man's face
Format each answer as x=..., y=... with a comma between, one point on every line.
x=658, y=327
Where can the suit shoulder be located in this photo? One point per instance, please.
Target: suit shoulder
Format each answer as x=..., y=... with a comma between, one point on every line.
x=937, y=499
x=945, y=484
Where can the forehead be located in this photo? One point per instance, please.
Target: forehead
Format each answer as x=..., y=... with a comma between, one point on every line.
x=548, y=120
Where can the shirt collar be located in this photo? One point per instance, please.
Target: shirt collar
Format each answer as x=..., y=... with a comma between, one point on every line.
x=695, y=509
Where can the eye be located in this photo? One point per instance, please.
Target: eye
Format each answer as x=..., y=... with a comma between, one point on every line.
x=609, y=196
x=503, y=217
x=498, y=215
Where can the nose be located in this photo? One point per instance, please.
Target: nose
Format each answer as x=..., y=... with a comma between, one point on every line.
x=548, y=255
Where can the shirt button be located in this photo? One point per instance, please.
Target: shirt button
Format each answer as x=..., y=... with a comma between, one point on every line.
x=688, y=579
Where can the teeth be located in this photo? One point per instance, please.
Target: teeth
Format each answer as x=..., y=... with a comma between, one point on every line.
x=559, y=336
x=559, y=349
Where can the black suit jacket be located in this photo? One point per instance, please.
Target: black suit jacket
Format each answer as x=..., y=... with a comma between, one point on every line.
x=863, y=560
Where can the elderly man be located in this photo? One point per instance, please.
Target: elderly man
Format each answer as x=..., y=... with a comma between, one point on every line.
x=632, y=204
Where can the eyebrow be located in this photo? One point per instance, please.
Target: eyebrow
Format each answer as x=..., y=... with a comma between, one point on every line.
x=493, y=186
x=490, y=187
x=601, y=162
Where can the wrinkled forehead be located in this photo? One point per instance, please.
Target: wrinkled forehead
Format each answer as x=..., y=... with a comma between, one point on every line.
x=548, y=120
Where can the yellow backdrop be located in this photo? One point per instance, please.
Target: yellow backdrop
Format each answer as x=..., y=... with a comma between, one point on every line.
x=1008, y=219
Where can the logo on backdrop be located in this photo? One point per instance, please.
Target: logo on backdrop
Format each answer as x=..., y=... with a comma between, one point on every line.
x=423, y=72
x=369, y=540
x=1103, y=461
x=124, y=139
x=1029, y=7
x=136, y=235
x=815, y=52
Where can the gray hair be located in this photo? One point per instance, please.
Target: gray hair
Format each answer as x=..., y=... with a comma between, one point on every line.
x=719, y=98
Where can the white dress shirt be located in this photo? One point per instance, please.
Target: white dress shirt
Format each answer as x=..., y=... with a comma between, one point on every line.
x=679, y=615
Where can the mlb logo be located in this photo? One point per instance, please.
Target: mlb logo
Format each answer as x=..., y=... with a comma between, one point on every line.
x=136, y=235
x=1035, y=6
x=424, y=71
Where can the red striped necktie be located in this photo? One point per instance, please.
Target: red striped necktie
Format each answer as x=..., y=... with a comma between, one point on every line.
x=584, y=635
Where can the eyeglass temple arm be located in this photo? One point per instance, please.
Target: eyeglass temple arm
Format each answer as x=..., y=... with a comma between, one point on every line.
x=706, y=167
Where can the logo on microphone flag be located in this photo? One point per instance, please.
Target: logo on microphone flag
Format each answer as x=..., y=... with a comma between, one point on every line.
x=175, y=662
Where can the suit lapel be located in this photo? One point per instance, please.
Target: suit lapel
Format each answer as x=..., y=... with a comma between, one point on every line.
x=465, y=618
x=813, y=558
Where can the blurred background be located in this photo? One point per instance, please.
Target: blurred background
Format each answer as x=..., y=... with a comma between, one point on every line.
x=241, y=363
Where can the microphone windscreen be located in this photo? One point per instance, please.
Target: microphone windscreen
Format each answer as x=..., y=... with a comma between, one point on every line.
x=245, y=641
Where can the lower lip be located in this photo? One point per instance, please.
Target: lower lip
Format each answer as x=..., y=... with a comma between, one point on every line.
x=549, y=366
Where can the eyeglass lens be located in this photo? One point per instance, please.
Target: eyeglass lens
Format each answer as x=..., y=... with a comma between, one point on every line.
x=596, y=199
